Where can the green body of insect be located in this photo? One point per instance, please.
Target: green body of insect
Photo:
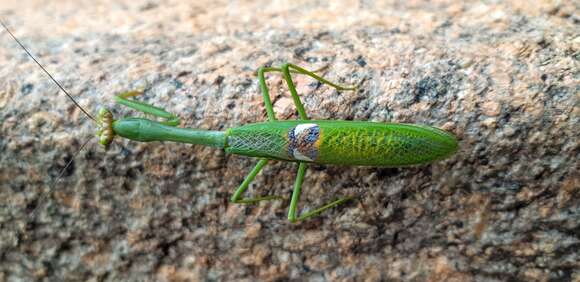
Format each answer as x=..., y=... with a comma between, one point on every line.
x=303, y=141
x=312, y=141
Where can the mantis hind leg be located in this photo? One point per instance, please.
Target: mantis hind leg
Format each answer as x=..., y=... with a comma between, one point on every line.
x=237, y=197
x=123, y=99
x=292, y=211
x=266, y=94
x=286, y=71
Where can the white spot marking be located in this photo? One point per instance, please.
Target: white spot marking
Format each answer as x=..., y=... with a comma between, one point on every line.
x=301, y=127
x=299, y=156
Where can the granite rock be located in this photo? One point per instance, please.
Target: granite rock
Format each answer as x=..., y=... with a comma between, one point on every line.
x=502, y=76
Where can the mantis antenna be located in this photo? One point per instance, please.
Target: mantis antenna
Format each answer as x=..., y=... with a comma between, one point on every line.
x=47, y=73
x=61, y=173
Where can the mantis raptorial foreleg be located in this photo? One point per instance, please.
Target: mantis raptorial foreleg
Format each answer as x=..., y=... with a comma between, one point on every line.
x=170, y=119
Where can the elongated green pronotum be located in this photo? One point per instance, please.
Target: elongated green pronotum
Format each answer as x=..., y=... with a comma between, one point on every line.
x=303, y=141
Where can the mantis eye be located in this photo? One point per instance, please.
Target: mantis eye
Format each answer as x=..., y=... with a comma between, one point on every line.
x=105, y=125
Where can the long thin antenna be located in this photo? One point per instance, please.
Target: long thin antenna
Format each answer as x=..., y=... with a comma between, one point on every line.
x=47, y=73
x=53, y=184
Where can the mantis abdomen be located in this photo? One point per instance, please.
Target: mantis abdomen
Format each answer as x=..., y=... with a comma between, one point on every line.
x=342, y=142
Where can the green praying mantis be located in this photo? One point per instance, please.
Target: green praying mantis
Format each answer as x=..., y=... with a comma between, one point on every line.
x=303, y=141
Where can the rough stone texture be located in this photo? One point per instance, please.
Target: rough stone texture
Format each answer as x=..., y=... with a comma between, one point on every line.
x=503, y=77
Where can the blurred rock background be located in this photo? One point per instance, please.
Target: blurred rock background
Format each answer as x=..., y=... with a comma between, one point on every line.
x=502, y=76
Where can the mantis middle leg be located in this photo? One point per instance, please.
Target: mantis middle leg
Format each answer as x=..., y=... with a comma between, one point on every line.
x=286, y=70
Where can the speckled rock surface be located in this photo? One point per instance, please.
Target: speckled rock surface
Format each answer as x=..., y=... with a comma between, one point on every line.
x=503, y=77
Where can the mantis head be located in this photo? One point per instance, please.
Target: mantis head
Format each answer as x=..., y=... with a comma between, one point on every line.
x=105, y=130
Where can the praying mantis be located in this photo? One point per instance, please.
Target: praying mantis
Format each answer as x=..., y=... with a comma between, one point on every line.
x=303, y=141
